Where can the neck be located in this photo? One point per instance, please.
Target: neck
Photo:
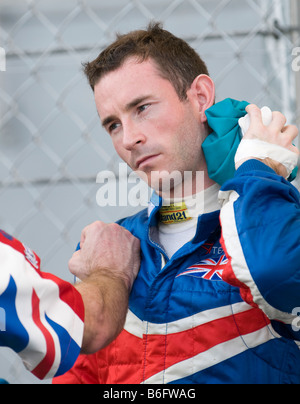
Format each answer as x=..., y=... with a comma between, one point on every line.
x=192, y=184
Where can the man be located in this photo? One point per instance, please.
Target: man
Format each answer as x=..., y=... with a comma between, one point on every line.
x=185, y=324
x=45, y=319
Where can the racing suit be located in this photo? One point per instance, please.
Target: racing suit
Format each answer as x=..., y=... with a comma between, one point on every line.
x=41, y=316
x=199, y=316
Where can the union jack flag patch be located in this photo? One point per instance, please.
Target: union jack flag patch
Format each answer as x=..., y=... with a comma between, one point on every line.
x=209, y=269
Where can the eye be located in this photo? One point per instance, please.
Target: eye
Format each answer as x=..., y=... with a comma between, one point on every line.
x=113, y=126
x=143, y=107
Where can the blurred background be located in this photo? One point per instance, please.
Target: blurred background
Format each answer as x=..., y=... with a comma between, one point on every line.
x=52, y=144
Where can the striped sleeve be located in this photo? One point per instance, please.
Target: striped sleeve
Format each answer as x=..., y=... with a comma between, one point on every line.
x=41, y=316
x=260, y=218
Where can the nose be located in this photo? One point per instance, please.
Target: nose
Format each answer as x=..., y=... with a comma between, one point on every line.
x=132, y=135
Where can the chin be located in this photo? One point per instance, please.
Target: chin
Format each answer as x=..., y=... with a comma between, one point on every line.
x=165, y=183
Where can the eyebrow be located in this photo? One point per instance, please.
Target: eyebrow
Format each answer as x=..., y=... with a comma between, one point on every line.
x=128, y=107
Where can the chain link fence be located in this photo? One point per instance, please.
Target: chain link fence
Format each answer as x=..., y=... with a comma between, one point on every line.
x=52, y=144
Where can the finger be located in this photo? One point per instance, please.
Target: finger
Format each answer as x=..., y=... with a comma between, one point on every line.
x=254, y=113
x=278, y=121
x=74, y=262
x=256, y=123
x=294, y=149
x=82, y=238
x=287, y=136
x=91, y=230
x=83, y=235
x=137, y=249
x=291, y=131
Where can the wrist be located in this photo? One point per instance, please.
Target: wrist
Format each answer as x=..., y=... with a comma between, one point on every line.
x=281, y=159
x=279, y=168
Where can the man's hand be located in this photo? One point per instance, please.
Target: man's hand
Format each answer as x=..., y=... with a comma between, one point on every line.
x=277, y=133
x=107, y=264
x=108, y=249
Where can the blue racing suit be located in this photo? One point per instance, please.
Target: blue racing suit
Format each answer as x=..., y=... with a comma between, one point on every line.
x=222, y=309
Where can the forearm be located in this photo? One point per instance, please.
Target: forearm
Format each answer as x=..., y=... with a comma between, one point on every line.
x=106, y=302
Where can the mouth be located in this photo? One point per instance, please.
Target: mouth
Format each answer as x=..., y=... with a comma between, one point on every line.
x=143, y=161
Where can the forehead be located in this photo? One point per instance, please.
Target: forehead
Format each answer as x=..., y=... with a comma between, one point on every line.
x=131, y=69
x=133, y=79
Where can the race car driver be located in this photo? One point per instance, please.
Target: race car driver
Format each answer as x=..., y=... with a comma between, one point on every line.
x=184, y=324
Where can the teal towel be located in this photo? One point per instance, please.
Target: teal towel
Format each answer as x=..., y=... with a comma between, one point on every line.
x=221, y=144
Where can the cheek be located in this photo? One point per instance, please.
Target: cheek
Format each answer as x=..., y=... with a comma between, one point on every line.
x=187, y=143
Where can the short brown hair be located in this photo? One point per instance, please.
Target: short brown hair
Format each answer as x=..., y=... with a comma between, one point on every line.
x=175, y=59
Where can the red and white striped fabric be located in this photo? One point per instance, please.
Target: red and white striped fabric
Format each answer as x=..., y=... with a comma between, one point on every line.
x=42, y=316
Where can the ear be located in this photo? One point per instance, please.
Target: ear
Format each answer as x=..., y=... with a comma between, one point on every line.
x=202, y=91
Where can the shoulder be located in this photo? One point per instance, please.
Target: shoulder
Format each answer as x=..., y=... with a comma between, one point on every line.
x=18, y=246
